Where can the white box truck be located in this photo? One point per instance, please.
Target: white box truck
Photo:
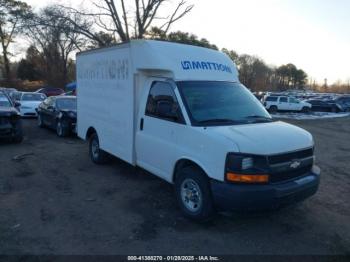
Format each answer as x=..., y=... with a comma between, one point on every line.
x=180, y=112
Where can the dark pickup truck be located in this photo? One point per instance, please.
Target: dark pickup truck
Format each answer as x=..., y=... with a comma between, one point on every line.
x=10, y=120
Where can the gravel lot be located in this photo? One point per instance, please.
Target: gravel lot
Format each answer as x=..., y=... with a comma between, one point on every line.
x=53, y=200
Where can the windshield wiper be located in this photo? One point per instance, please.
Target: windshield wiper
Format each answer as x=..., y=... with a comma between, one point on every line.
x=218, y=120
x=260, y=118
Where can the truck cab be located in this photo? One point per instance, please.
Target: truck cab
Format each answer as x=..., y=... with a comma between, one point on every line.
x=191, y=123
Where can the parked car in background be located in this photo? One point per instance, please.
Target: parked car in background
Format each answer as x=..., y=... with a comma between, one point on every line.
x=58, y=113
x=70, y=93
x=30, y=102
x=324, y=106
x=285, y=103
x=343, y=102
x=10, y=119
x=50, y=91
x=9, y=91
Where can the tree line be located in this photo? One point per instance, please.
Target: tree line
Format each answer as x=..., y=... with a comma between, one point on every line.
x=56, y=32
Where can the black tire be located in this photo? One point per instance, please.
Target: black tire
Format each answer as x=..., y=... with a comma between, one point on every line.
x=62, y=129
x=305, y=109
x=97, y=155
x=273, y=109
x=204, y=210
x=18, y=137
x=40, y=121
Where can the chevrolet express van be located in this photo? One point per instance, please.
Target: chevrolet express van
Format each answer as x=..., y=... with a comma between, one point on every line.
x=181, y=113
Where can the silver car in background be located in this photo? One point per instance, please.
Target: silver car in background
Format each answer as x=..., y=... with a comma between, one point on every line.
x=29, y=103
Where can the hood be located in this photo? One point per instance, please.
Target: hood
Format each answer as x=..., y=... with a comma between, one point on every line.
x=32, y=104
x=265, y=138
x=8, y=111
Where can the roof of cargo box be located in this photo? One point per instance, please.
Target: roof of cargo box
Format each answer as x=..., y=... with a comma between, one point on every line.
x=184, y=62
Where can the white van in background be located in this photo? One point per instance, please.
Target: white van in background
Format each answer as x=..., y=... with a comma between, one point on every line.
x=180, y=112
x=275, y=103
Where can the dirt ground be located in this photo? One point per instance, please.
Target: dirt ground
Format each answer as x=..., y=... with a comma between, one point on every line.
x=54, y=200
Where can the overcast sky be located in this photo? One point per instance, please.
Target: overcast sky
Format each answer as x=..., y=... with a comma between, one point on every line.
x=312, y=34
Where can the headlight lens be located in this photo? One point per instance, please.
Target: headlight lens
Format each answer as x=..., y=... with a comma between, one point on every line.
x=244, y=168
x=72, y=114
x=247, y=163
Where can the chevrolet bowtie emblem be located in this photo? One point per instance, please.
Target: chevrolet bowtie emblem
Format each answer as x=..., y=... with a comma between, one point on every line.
x=295, y=164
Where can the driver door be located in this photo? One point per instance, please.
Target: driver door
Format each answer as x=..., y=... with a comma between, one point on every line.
x=160, y=123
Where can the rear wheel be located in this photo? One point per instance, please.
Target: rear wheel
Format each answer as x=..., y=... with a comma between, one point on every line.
x=97, y=155
x=193, y=193
x=273, y=109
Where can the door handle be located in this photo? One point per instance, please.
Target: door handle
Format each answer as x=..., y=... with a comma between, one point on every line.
x=141, y=124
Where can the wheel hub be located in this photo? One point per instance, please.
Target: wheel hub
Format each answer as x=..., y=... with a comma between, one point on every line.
x=191, y=195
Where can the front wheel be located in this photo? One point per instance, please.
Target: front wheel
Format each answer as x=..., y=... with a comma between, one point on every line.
x=193, y=194
x=97, y=155
x=40, y=121
x=18, y=137
x=61, y=128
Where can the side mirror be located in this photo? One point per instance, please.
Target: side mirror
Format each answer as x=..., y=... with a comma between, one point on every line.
x=165, y=109
x=17, y=104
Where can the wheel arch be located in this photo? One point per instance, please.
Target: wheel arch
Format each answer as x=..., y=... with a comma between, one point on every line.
x=90, y=131
x=185, y=162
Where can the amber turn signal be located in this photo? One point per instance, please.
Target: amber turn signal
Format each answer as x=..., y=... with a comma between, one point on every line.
x=243, y=178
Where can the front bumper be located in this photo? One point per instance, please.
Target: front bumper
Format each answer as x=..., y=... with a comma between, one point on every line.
x=30, y=112
x=229, y=196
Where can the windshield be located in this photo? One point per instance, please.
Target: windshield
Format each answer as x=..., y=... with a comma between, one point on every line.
x=4, y=102
x=221, y=103
x=33, y=97
x=67, y=104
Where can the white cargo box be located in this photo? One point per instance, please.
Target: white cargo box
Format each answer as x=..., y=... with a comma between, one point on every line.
x=109, y=81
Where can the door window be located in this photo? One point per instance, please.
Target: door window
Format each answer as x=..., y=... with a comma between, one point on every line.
x=162, y=103
x=293, y=100
x=283, y=99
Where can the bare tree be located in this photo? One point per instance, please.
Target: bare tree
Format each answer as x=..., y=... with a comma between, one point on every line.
x=128, y=22
x=11, y=15
x=52, y=33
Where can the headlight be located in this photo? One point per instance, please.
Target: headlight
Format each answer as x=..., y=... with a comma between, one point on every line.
x=244, y=168
x=72, y=114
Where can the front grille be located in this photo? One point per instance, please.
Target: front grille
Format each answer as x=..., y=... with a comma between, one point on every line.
x=292, y=173
x=275, y=159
